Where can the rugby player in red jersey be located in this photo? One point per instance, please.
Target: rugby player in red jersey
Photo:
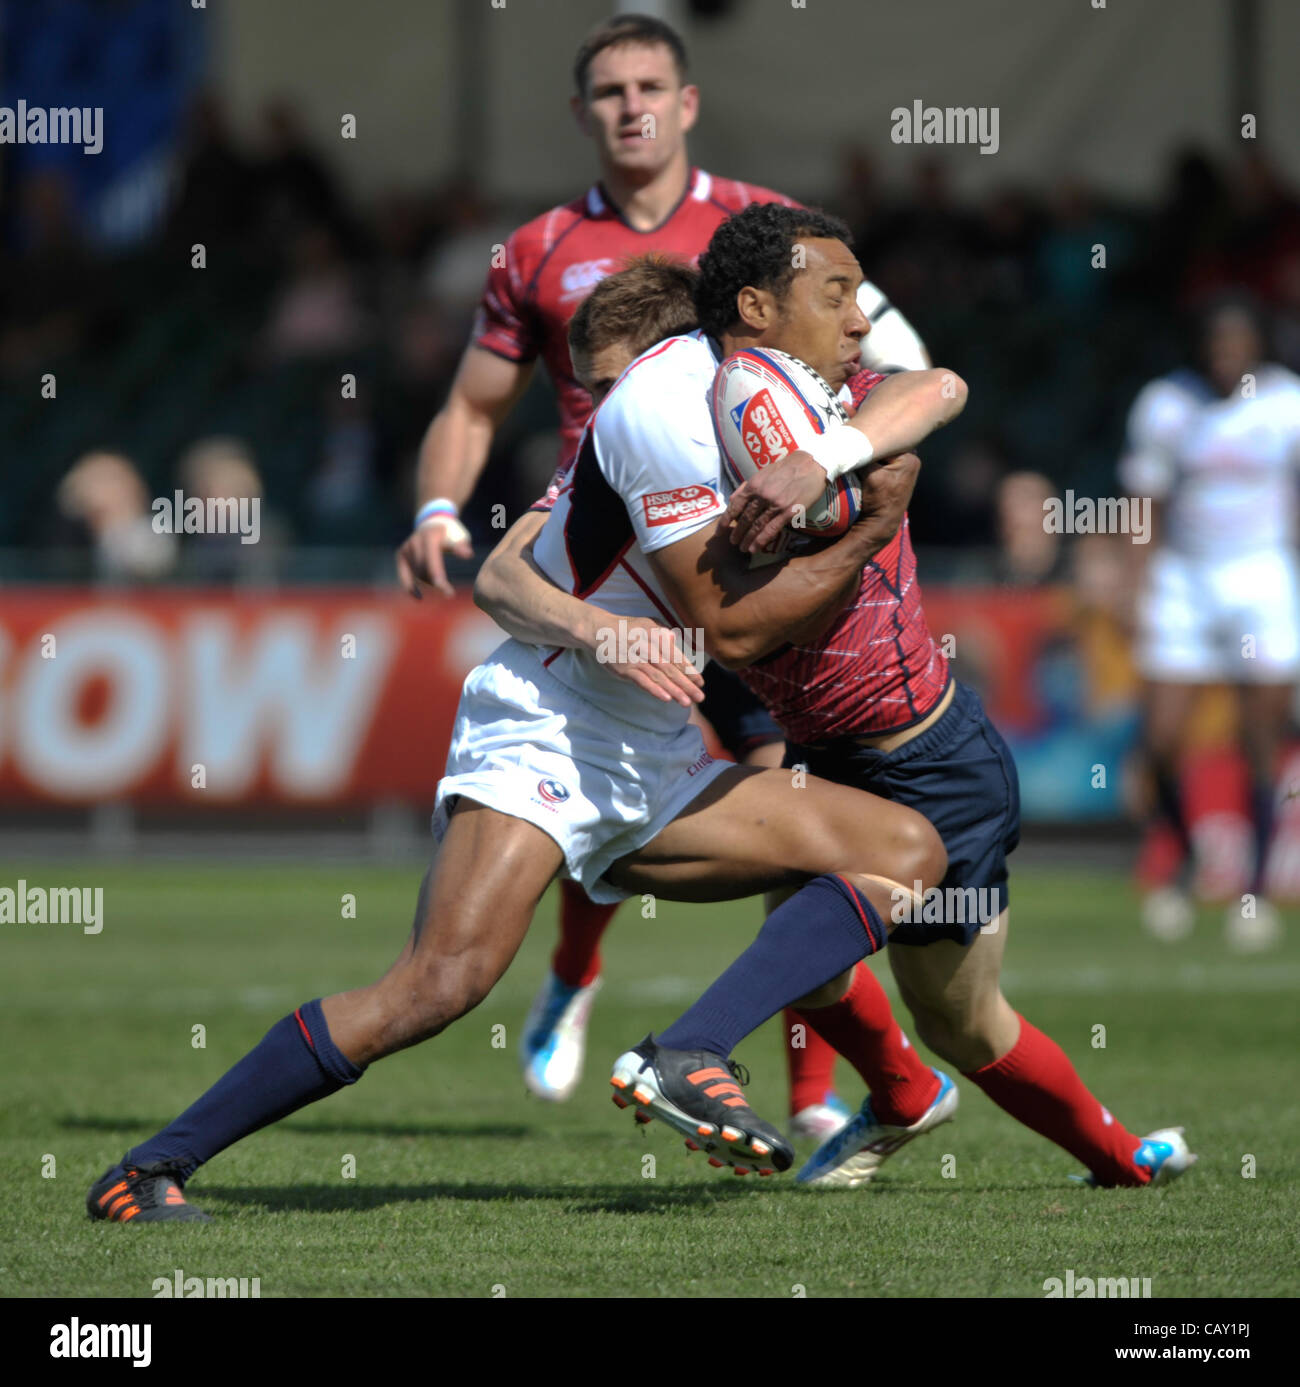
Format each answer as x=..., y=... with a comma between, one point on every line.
x=871, y=703
x=633, y=101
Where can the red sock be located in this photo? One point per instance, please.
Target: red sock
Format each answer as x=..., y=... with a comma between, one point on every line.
x=862, y=1028
x=1036, y=1083
x=576, y=959
x=812, y=1064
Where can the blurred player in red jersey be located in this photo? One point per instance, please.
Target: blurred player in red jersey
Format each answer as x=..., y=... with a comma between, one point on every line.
x=633, y=101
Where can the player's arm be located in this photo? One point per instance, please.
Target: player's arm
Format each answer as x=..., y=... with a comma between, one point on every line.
x=898, y=414
x=514, y=592
x=452, y=457
x=523, y=601
x=744, y=612
x=1149, y=465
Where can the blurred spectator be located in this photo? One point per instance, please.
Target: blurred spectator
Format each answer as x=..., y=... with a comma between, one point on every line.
x=318, y=312
x=1192, y=226
x=296, y=187
x=1266, y=231
x=1008, y=237
x=474, y=227
x=1103, y=576
x=340, y=494
x=956, y=505
x=1029, y=555
x=1286, y=327
x=426, y=347
x=858, y=200
x=401, y=232
x=48, y=293
x=924, y=244
x=222, y=469
x=217, y=187
x=105, y=494
x=1076, y=227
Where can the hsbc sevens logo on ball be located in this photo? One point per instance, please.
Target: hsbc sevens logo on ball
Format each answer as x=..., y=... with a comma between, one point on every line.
x=767, y=439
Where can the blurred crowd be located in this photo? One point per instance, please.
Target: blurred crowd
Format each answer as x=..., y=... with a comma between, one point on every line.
x=302, y=362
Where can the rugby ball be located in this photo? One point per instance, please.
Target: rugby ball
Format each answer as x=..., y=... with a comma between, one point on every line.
x=767, y=404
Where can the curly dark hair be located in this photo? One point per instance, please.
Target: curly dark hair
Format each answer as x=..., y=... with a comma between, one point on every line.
x=756, y=248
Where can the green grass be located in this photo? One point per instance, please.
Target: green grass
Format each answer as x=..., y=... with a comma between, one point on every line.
x=463, y=1183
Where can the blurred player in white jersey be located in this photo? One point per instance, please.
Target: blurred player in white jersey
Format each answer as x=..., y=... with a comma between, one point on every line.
x=1217, y=448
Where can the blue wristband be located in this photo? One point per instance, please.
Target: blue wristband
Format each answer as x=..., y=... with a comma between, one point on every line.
x=439, y=506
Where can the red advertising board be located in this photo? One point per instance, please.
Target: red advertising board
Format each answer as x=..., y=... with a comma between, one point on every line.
x=322, y=697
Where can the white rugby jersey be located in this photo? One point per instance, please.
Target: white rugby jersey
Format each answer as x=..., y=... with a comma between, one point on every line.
x=1225, y=467
x=648, y=474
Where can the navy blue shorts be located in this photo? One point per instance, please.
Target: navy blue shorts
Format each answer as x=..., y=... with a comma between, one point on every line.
x=735, y=714
x=960, y=774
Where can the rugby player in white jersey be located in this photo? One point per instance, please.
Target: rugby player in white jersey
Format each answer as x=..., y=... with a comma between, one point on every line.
x=1217, y=449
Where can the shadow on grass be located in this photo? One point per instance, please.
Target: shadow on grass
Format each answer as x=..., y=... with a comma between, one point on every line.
x=500, y=1131
x=585, y=1199
x=641, y=1198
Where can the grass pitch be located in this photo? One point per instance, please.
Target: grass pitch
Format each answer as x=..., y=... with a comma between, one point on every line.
x=464, y=1185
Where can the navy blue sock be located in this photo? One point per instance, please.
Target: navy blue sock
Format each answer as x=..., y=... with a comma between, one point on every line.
x=1262, y=795
x=824, y=928
x=295, y=1063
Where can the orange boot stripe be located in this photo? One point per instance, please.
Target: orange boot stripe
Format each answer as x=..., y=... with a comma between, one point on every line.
x=698, y=1076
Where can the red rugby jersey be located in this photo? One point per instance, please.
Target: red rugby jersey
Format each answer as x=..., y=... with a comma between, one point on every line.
x=876, y=670
x=554, y=261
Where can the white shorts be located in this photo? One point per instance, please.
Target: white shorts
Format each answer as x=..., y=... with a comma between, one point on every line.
x=526, y=745
x=1233, y=621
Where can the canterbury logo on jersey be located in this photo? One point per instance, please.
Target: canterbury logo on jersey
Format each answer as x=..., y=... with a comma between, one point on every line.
x=683, y=503
x=579, y=279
